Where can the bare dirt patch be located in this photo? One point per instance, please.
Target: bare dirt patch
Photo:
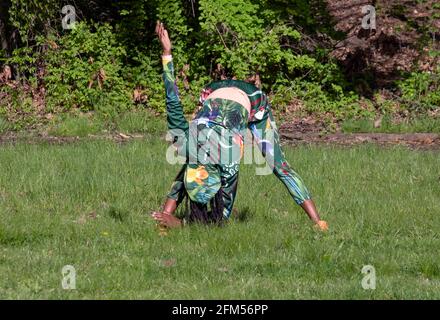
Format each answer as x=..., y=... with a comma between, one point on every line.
x=291, y=134
x=413, y=140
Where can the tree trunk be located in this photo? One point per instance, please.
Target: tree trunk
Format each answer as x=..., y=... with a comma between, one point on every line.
x=5, y=35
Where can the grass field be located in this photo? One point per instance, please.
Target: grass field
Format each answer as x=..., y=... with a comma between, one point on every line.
x=418, y=125
x=87, y=204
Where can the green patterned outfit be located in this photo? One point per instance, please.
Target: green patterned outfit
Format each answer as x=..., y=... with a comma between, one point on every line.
x=223, y=116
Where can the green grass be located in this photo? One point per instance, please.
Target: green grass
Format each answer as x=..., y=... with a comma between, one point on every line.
x=87, y=204
x=82, y=125
x=74, y=125
x=420, y=125
x=140, y=121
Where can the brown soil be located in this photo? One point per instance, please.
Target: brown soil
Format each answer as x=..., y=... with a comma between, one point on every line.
x=290, y=134
x=424, y=141
x=296, y=132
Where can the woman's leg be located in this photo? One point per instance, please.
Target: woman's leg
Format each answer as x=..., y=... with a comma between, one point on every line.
x=266, y=134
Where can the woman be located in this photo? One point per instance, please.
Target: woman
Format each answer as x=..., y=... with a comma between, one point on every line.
x=229, y=107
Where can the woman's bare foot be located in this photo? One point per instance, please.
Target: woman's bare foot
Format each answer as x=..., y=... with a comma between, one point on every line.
x=167, y=220
x=322, y=225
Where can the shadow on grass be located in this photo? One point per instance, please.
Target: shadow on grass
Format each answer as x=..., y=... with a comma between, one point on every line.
x=242, y=215
x=117, y=214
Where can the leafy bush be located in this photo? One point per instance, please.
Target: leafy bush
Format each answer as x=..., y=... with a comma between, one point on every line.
x=4, y=125
x=84, y=71
x=17, y=106
x=112, y=56
x=338, y=104
x=421, y=90
x=238, y=39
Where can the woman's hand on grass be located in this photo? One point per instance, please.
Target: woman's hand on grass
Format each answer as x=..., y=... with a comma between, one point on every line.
x=164, y=39
x=166, y=219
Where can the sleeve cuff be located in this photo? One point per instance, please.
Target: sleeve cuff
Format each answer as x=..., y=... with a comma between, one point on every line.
x=167, y=58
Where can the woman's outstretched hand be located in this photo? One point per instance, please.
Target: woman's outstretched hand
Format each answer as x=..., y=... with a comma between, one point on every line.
x=166, y=219
x=164, y=39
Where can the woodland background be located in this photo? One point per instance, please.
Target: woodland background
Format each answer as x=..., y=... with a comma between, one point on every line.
x=313, y=57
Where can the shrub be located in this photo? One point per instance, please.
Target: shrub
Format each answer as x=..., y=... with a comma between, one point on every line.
x=421, y=90
x=337, y=103
x=4, y=125
x=84, y=71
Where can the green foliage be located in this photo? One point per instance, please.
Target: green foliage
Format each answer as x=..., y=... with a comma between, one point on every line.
x=33, y=17
x=84, y=71
x=171, y=13
x=421, y=90
x=100, y=63
x=17, y=106
x=97, y=67
x=2, y=56
x=144, y=73
x=25, y=61
x=4, y=125
x=337, y=103
x=238, y=39
x=310, y=15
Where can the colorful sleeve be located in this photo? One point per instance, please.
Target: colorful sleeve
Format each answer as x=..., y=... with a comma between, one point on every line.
x=175, y=116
